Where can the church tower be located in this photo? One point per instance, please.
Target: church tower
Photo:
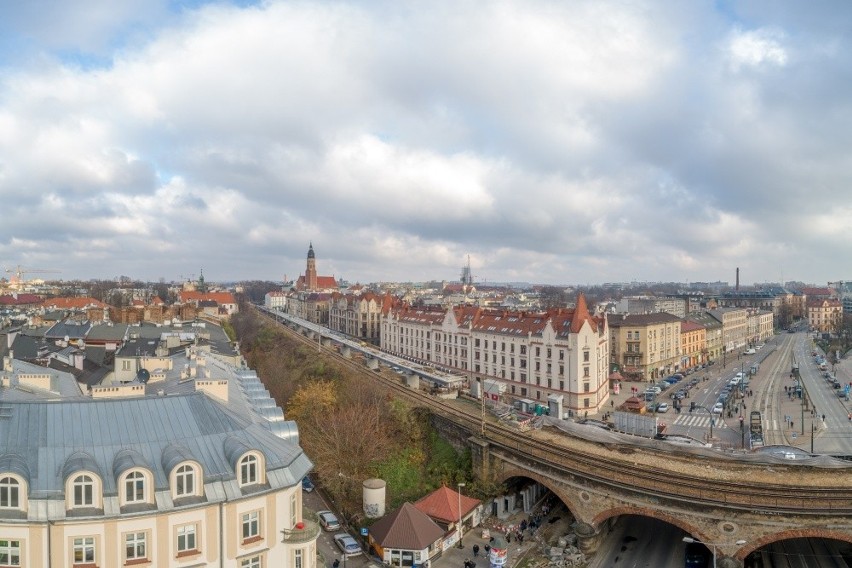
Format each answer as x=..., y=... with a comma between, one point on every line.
x=311, y=270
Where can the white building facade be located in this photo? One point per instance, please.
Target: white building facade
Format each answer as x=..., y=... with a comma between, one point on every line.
x=560, y=352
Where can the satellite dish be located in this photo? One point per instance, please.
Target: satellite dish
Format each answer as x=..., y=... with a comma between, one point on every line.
x=143, y=376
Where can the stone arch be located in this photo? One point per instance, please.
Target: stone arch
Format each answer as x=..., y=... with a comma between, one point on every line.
x=759, y=543
x=570, y=504
x=606, y=514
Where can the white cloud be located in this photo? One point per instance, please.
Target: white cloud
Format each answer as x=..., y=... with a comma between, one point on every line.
x=550, y=141
x=755, y=48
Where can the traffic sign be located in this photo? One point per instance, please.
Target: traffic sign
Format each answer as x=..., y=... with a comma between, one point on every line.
x=364, y=531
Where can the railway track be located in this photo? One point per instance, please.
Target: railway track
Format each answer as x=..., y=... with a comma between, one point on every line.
x=626, y=473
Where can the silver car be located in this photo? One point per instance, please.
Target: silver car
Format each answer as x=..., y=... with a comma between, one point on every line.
x=328, y=520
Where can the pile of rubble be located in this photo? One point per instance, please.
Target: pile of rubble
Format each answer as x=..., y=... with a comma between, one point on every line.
x=566, y=554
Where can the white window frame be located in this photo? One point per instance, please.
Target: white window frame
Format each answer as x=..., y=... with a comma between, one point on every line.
x=10, y=552
x=187, y=538
x=136, y=545
x=10, y=493
x=85, y=545
x=250, y=523
x=253, y=562
x=185, y=482
x=249, y=470
x=133, y=482
x=298, y=558
x=82, y=483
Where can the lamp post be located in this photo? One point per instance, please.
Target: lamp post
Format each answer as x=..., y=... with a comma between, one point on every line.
x=713, y=545
x=460, y=516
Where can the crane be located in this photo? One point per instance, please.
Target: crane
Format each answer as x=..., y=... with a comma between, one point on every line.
x=19, y=271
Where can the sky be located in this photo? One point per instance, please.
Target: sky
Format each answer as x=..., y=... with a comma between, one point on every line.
x=550, y=142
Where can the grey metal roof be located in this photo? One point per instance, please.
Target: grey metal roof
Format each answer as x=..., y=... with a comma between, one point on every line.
x=56, y=438
x=104, y=332
x=80, y=461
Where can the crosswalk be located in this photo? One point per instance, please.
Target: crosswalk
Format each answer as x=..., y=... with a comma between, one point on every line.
x=698, y=421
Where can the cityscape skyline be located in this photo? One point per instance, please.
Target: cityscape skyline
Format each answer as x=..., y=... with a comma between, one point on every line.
x=584, y=143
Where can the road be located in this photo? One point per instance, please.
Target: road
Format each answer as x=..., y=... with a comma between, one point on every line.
x=327, y=551
x=641, y=542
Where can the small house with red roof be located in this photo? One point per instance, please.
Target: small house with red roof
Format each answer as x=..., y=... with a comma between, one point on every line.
x=446, y=507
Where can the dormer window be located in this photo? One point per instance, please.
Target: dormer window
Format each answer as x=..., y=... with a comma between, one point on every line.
x=10, y=493
x=134, y=488
x=249, y=470
x=185, y=481
x=83, y=488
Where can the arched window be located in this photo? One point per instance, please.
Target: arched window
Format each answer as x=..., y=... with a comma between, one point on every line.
x=185, y=481
x=134, y=487
x=10, y=493
x=84, y=491
x=249, y=470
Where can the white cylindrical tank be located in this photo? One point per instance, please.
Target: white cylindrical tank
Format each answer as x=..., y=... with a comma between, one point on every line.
x=374, y=498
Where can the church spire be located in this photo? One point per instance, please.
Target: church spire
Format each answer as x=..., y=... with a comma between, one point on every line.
x=581, y=315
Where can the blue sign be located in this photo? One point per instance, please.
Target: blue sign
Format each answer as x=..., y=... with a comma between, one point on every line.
x=364, y=531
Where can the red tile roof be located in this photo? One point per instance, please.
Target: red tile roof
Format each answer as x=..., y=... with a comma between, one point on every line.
x=20, y=299
x=687, y=325
x=73, y=303
x=443, y=505
x=218, y=297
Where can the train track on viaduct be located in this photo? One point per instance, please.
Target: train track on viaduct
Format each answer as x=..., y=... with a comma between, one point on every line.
x=774, y=489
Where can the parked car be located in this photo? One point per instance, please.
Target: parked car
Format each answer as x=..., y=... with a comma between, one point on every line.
x=717, y=408
x=655, y=390
x=307, y=485
x=328, y=520
x=663, y=407
x=347, y=544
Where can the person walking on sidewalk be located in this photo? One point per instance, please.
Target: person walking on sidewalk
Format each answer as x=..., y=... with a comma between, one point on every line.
x=475, y=550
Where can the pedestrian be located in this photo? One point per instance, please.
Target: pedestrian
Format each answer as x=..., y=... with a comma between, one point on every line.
x=508, y=536
x=475, y=550
x=520, y=538
x=336, y=563
x=487, y=549
x=823, y=417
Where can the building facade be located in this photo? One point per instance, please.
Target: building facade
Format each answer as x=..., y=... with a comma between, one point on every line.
x=712, y=335
x=562, y=352
x=734, y=327
x=646, y=346
x=356, y=315
x=693, y=344
x=825, y=315
x=196, y=478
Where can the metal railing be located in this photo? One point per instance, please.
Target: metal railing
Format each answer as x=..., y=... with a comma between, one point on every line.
x=304, y=531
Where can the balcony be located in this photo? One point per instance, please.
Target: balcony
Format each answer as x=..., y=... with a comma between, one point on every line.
x=305, y=531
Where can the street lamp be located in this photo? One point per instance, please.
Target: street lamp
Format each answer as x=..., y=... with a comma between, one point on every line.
x=460, y=517
x=713, y=545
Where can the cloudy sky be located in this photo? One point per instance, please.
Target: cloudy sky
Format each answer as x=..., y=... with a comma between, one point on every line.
x=553, y=142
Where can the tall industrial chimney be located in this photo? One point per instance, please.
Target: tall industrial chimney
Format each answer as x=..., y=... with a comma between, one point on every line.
x=738, y=279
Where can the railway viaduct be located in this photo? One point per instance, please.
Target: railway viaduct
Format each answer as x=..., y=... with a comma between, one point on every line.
x=715, y=497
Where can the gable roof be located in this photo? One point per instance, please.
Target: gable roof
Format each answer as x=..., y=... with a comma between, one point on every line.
x=443, y=504
x=407, y=528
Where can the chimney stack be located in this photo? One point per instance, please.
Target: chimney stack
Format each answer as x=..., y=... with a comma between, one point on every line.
x=738, y=279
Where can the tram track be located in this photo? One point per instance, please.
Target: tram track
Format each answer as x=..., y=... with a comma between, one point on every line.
x=631, y=469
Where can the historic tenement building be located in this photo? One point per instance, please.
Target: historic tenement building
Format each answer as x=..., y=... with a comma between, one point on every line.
x=534, y=354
